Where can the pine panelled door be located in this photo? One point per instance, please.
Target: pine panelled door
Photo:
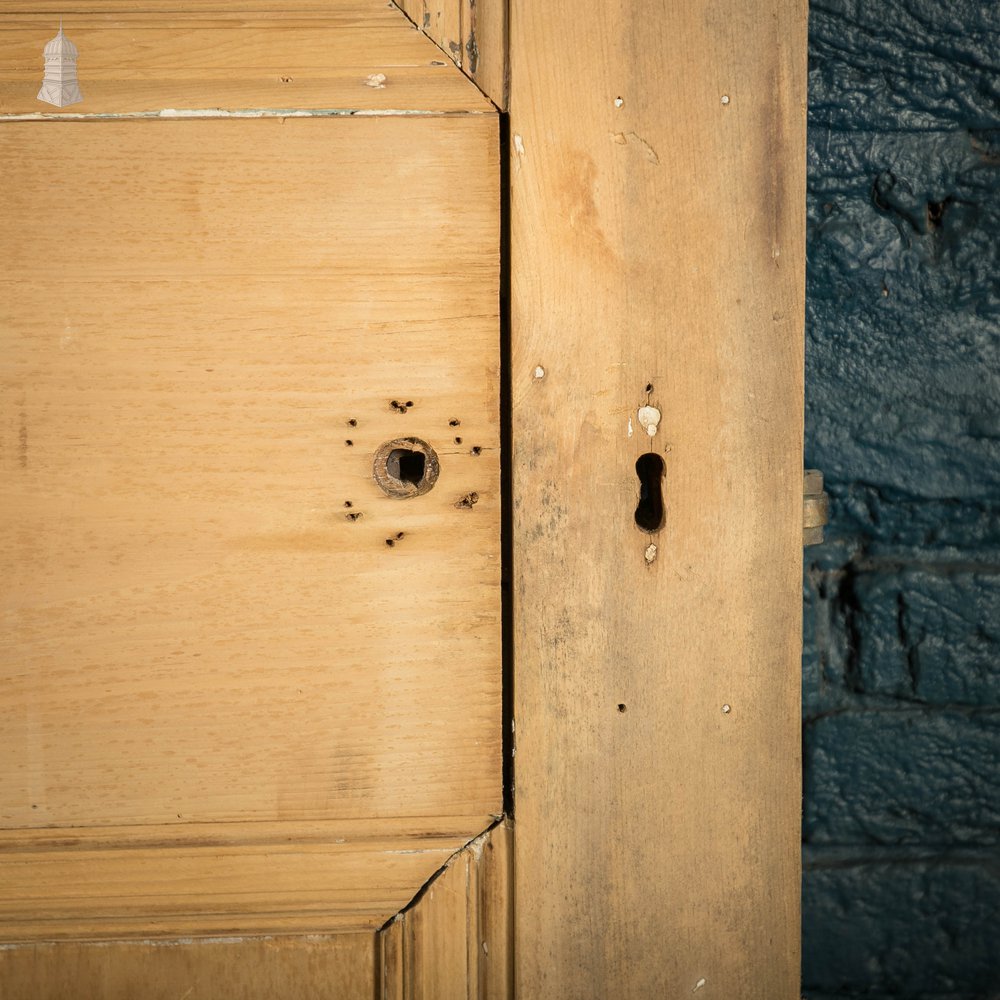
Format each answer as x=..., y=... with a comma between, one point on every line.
x=271, y=273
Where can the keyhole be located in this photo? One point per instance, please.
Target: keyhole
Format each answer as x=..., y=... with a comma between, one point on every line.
x=406, y=466
x=649, y=511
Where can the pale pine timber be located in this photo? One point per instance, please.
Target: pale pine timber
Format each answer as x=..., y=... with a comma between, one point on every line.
x=454, y=941
x=657, y=259
x=304, y=968
x=346, y=56
x=231, y=705
x=473, y=34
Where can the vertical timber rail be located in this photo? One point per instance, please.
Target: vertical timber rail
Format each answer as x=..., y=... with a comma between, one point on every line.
x=657, y=261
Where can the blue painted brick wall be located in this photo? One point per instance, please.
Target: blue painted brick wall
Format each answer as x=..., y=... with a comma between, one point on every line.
x=901, y=671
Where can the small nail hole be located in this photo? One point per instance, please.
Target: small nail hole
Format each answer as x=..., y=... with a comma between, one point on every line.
x=649, y=387
x=352, y=422
x=348, y=503
x=622, y=708
x=454, y=423
x=409, y=402
x=477, y=450
x=349, y=443
x=390, y=542
x=458, y=440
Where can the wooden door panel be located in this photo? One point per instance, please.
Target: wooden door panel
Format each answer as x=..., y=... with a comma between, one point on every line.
x=338, y=967
x=240, y=679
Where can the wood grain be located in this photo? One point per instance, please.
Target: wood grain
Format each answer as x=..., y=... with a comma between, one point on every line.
x=454, y=941
x=313, y=968
x=473, y=33
x=657, y=259
x=151, y=61
x=212, y=616
x=225, y=879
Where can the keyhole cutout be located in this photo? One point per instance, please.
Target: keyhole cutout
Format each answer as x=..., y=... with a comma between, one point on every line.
x=649, y=512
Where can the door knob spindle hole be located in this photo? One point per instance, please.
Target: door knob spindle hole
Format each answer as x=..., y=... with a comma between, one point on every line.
x=405, y=467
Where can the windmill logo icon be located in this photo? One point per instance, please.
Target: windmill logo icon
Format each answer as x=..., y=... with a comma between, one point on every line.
x=60, y=86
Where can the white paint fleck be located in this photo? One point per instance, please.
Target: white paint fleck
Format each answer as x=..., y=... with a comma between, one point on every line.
x=650, y=552
x=726, y=709
x=649, y=419
x=698, y=985
x=486, y=948
x=725, y=98
x=518, y=145
x=376, y=80
x=539, y=371
x=630, y=430
x=618, y=102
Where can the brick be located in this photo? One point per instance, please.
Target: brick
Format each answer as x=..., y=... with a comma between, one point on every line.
x=914, y=929
x=929, y=635
x=827, y=680
x=891, y=525
x=906, y=63
x=902, y=307
x=902, y=777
